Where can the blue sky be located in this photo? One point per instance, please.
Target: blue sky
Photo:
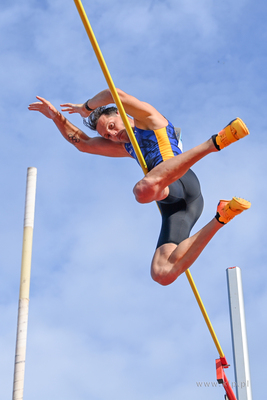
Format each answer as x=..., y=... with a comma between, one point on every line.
x=99, y=327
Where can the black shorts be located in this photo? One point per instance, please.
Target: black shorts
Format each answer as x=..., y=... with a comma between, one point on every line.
x=180, y=210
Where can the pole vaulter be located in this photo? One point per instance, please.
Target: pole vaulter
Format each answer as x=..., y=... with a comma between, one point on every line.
x=222, y=362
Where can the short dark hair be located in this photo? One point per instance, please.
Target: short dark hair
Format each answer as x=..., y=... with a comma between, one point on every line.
x=93, y=118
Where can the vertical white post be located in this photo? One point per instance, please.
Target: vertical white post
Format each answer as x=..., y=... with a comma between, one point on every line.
x=23, y=309
x=239, y=335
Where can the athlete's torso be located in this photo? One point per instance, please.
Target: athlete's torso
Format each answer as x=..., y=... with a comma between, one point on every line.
x=156, y=146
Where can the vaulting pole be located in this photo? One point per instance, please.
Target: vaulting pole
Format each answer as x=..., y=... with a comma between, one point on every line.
x=139, y=154
x=110, y=83
x=23, y=309
x=205, y=315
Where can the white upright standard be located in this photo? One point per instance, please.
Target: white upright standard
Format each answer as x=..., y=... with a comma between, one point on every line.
x=239, y=335
x=23, y=310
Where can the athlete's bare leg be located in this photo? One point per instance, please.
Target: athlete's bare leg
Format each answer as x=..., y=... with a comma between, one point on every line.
x=170, y=260
x=154, y=186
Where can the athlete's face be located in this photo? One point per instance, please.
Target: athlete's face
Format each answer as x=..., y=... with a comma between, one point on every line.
x=111, y=127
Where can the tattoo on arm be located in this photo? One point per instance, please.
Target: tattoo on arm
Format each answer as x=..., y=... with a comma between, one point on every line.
x=74, y=138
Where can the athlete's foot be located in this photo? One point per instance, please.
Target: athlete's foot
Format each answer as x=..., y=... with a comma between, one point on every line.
x=234, y=131
x=228, y=209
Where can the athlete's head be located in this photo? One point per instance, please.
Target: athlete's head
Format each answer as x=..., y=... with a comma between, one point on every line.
x=96, y=114
x=108, y=123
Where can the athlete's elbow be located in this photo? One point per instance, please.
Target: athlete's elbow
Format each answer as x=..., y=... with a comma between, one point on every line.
x=82, y=148
x=122, y=95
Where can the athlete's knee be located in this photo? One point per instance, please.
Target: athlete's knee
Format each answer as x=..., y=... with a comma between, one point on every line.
x=145, y=190
x=161, y=275
x=148, y=190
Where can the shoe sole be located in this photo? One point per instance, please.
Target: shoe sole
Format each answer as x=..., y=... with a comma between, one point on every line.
x=239, y=204
x=241, y=129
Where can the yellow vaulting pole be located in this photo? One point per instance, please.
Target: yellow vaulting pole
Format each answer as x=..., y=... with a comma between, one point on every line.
x=23, y=310
x=138, y=151
x=111, y=84
x=204, y=313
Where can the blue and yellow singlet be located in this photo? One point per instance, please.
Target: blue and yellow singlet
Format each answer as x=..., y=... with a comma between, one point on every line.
x=156, y=146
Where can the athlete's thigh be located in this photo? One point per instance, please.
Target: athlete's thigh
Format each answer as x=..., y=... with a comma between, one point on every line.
x=180, y=211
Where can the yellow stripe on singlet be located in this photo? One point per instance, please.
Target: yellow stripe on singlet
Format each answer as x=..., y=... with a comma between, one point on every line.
x=164, y=143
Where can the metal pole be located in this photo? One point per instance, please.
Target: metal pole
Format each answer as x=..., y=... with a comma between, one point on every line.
x=239, y=335
x=23, y=309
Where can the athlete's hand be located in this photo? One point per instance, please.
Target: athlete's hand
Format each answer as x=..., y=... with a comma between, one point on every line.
x=75, y=109
x=44, y=107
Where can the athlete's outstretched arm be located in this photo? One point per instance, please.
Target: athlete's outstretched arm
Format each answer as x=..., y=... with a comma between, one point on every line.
x=145, y=115
x=76, y=136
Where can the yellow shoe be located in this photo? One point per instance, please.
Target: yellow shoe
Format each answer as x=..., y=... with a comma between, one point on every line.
x=234, y=131
x=228, y=209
